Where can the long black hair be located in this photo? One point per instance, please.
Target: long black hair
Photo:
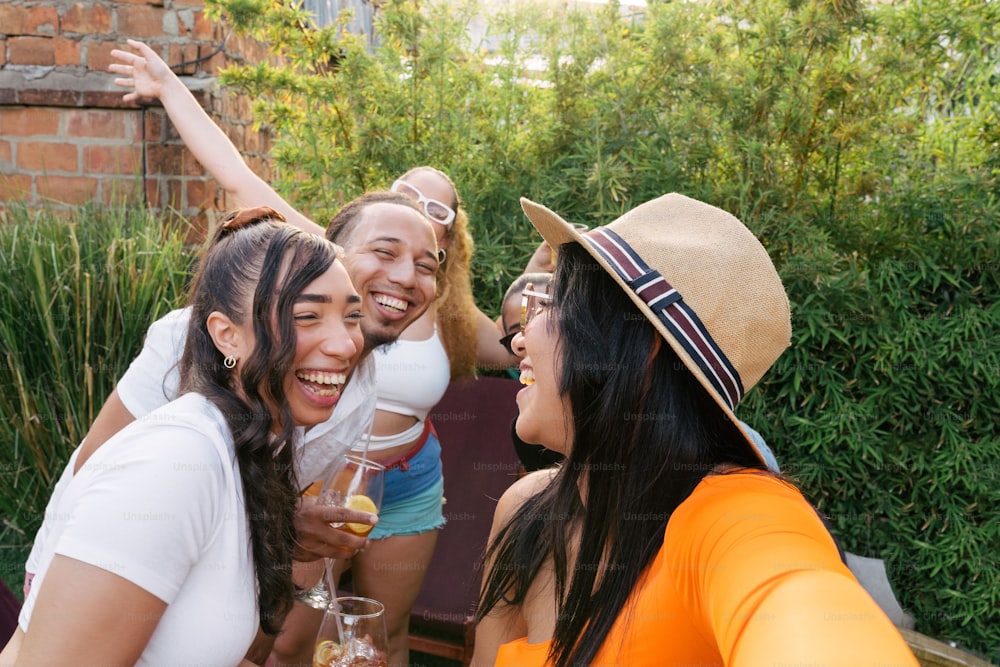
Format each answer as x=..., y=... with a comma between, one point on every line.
x=254, y=274
x=645, y=433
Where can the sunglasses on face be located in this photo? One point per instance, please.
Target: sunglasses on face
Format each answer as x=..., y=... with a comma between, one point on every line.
x=437, y=211
x=508, y=340
x=532, y=303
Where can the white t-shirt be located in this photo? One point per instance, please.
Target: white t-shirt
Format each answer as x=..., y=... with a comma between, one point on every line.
x=153, y=377
x=161, y=505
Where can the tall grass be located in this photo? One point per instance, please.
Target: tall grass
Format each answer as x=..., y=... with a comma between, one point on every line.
x=77, y=293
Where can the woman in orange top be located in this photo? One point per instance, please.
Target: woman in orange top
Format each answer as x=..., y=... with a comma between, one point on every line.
x=663, y=539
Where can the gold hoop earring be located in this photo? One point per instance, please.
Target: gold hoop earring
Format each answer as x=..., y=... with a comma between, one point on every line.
x=229, y=362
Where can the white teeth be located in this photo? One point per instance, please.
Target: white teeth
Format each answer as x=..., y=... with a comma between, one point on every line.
x=391, y=302
x=527, y=377
x=334, y=380
x=320, y=377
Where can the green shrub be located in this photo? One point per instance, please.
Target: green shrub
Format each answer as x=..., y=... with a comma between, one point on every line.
x=886, y=407
x=76, y=297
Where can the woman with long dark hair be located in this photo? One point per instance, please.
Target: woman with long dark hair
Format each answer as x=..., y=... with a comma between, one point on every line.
x=173, y=542
x=663, y=539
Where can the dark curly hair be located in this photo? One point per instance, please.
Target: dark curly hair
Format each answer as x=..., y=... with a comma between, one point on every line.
x=253, y=272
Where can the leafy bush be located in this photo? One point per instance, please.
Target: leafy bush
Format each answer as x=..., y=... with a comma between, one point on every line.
x=76, y=297
x=885, y=410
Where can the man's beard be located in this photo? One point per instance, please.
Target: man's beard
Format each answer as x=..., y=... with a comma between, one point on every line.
x=378, y=338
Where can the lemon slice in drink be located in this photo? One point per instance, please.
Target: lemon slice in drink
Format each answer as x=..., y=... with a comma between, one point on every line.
x=362, y=504
x=326, y=653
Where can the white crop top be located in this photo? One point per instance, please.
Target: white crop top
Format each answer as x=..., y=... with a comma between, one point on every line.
x=412, y=376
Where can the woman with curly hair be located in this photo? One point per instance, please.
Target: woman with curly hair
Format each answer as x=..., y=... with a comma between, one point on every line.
x=172, y=544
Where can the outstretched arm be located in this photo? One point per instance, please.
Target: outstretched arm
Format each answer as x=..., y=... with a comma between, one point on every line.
x=148, y=76
x=763, y=576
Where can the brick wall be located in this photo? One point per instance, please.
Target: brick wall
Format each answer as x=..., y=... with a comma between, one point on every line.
x=66, y=138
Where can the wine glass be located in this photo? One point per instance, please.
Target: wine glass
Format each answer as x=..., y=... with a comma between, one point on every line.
x=352, y=634
x=357, y=483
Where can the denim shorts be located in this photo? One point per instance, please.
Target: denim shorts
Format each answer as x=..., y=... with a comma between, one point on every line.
x=418, y=514
x=411, y=503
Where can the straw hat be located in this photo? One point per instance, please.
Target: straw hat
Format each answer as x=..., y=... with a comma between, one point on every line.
x=703, y=280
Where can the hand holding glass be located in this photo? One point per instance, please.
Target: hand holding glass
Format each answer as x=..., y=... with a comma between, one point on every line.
x=354, y=483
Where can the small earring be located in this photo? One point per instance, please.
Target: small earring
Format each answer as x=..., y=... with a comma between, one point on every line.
x=442, y=255
x=229, y=362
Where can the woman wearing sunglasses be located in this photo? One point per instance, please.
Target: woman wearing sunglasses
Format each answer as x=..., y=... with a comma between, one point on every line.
x=665, y=539
x=450, y=340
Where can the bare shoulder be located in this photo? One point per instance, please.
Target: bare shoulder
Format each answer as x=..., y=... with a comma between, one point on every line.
x=529, y=485
x=520, y=491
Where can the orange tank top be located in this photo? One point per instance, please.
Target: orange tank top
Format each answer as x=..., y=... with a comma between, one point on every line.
x=748, y=575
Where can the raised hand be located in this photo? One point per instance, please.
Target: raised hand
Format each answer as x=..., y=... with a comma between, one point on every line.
x=145, y=73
